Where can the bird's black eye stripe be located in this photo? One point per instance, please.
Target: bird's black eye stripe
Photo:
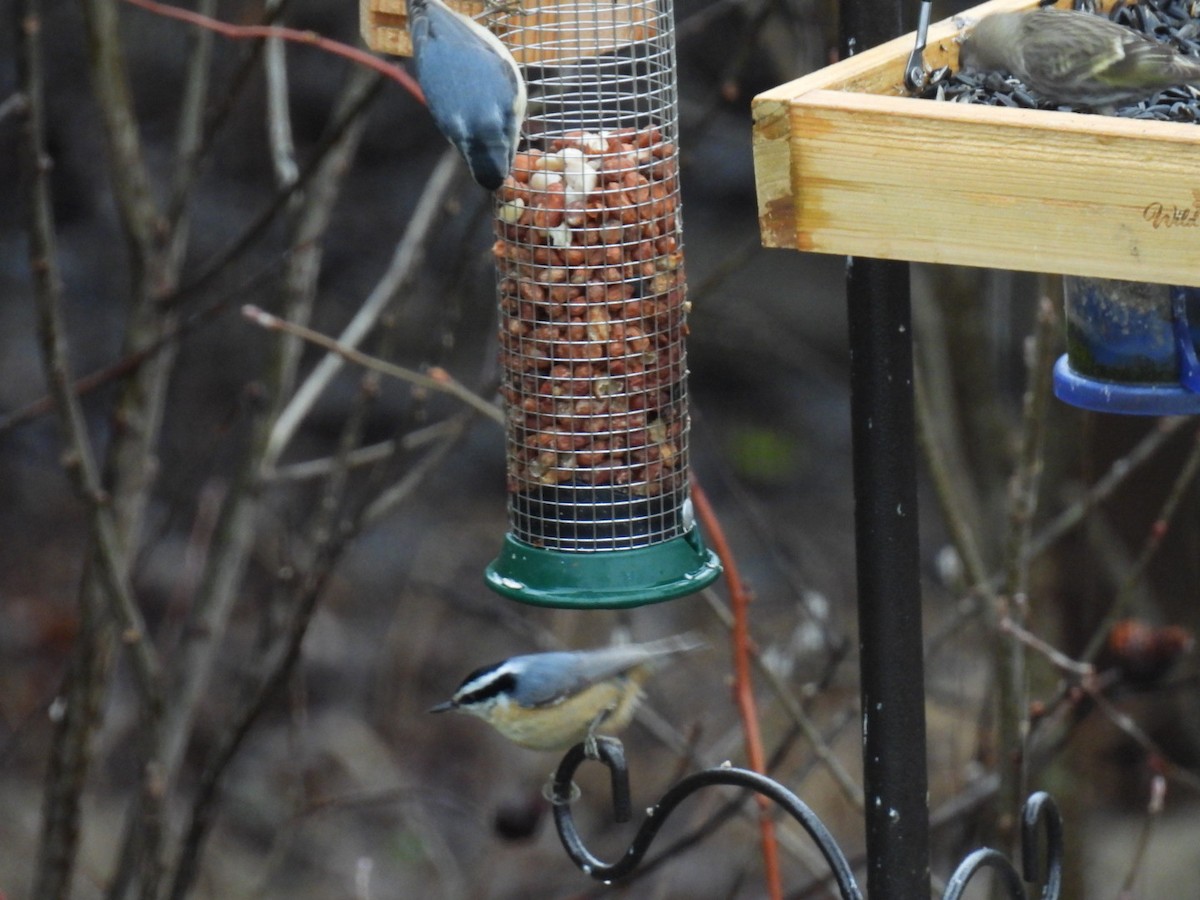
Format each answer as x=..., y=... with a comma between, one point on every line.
x=501, y=685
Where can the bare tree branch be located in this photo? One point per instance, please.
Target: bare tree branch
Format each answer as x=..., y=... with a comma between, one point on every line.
x=279, y=119
x=1012, y=677
x=106, y=564
x=410, y=253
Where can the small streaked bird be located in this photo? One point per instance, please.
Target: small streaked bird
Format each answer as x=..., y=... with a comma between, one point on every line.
x=552, y=701
x=472, y=85
x=1076, y=58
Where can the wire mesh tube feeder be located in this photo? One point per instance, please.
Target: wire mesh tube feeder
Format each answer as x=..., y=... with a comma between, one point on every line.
x=593, y=314
x=593, y=310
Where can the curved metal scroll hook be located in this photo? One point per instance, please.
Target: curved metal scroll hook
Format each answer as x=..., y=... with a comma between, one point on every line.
x=608, y=750
x=655, y=817
x=1039, y=810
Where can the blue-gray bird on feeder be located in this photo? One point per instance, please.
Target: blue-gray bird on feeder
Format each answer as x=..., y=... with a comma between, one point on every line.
x=472, y=85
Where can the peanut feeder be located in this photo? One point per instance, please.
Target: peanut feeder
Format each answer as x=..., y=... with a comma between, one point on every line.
x=593, y=308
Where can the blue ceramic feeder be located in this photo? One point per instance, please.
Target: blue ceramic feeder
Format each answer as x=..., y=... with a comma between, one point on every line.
x=1131, y=348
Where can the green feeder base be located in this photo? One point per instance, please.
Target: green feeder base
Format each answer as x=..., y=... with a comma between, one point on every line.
x=609, y=579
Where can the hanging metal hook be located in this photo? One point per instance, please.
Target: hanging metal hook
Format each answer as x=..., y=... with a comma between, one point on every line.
x=561, y=789
x=914, y=69
x=1039, y=810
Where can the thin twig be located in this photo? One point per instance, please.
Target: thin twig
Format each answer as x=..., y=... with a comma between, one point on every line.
x=310, y=38
x=279, y=119
x=131, y=182
x=438, y=382
x=310, y=221
x=105, y=375
x=1158, y=531
x=79, y=460
x=104, y=572
x=1154, y=808
x=1116, y=475
x=219, y=262
x=189, y=141
x=217, y=114
x=1026, y=480
x=409, y=254
x=742, y=688
x=1122, y=469
x=319, y=468
x=783, y=693
x=1011, y=673
x=76, y=713
x=392, y=496
x=1134, y=731
x=946, y=487
x=370, y=454
x=1056, y=657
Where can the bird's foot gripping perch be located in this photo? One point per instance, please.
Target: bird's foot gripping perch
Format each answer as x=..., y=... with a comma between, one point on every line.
x=562, y=791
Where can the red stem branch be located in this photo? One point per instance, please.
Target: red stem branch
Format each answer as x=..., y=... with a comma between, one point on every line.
x=743, y=693
x=295, y=35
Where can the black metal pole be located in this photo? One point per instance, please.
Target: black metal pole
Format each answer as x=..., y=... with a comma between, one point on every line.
x=885, y=520
x=889, y=600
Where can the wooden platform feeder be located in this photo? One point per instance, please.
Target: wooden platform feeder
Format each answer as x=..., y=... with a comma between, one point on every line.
x=602, y=26
x=846, y=163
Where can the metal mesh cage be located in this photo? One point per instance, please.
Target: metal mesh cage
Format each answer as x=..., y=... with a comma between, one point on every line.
x=591, y=282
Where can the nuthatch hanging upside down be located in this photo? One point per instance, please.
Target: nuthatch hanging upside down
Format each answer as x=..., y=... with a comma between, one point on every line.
x=472, y=87
x=552, y=701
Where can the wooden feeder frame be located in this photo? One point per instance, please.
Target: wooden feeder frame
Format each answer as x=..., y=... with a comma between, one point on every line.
x=384, y=26
x=847, y=163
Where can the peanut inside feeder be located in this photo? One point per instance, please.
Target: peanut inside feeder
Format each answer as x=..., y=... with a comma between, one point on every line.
x=591, y=334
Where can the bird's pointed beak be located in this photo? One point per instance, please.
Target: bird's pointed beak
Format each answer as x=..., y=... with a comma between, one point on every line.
x=444, y=707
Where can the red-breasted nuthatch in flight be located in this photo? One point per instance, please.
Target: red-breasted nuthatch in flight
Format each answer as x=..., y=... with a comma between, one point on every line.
x=552, y=701
x=472, y=87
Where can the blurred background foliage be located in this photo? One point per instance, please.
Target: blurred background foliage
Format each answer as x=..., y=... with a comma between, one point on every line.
x=315, y=614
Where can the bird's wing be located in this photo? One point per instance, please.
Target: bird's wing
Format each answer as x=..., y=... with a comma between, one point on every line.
x=457, y=57
x=548, y=677
x=1148, y=62
x=1054, y=53
x=1055, y=50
